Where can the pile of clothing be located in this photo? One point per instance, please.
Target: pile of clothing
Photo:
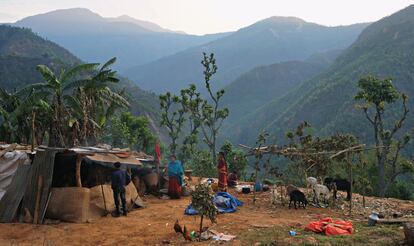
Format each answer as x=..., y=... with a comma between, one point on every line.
x=224, y=202
x=331, y=227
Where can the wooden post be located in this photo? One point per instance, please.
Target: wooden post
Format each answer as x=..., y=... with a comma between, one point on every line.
x=157, y=164
x=37, y=204
x=350, y=183
x=201, y=227
x=255, y=182
x=33, y=130
x=78, y=170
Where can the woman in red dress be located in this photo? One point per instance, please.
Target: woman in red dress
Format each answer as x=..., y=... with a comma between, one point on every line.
x=222, y=171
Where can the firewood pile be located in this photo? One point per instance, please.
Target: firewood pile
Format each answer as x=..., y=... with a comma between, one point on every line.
x=385, y=207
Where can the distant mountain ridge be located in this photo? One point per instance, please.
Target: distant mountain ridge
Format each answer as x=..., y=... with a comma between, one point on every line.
x=95, y=38
x=272, y=40
x=145, y=24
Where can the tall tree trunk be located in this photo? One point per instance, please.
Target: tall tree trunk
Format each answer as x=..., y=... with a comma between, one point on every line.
x=350, y=182
x=381, y=176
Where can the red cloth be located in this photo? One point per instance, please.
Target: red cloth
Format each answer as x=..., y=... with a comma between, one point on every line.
x=222, y=167
x=331, y=227
x=157, y=152
x=174, y=188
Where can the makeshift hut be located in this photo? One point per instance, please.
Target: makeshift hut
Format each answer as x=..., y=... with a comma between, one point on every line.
x=70, y=185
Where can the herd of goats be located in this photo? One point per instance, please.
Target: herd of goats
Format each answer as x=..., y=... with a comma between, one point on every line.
x=320, y=191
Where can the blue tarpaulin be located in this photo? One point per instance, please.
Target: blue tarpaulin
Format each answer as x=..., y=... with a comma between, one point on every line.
x=224, y=202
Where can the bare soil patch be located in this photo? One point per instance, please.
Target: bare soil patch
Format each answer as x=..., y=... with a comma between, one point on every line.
x=154, y=225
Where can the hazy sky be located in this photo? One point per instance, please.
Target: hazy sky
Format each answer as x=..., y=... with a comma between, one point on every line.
x=211, y=16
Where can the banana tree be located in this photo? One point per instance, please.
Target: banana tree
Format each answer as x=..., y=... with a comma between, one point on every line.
x=92, y=103
x=56, y=86
x=16, y=116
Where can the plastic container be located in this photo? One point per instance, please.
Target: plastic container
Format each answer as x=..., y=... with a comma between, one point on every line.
x=372, y=219
x=258, y=186
x=245, y=190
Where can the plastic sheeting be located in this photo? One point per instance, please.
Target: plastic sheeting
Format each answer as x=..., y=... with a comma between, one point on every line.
x=14, y=169
x=8, y=167
x=331, y=227
x=224, y=202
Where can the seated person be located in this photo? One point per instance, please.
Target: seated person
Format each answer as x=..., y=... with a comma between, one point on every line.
x=233, y=179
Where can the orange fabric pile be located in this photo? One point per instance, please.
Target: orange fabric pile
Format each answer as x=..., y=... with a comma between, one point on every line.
x=331, y=227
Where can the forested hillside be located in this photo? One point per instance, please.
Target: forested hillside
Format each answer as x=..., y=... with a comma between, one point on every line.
x=21, y=51
x=257, y=87
x=384, y=49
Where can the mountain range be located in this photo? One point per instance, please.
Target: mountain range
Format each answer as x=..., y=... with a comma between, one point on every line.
x=384, y=49
x=272, y=40
x=93, y=38
x=276, y=73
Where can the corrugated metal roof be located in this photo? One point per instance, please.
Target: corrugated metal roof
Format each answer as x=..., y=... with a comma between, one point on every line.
x=112, y=158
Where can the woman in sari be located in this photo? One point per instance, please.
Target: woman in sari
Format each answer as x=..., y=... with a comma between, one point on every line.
x=222, y=171
x=175, y=177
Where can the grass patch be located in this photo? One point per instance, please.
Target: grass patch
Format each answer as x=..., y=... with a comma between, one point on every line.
x=380, y=235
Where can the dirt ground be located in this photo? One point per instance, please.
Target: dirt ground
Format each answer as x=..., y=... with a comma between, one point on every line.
x=154, y=225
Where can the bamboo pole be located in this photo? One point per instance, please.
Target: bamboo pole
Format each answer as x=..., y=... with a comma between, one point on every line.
x=350, y=181
x=78, y=170
x=37, y=204
x=33, y=130
x=274, y=149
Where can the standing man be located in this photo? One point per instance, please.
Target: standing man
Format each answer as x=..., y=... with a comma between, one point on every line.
x=119, y=180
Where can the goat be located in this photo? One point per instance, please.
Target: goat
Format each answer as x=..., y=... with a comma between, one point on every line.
x=320, y=190
x=290, y=188
x=296, y=196
x=273, y=195
x=340, y=184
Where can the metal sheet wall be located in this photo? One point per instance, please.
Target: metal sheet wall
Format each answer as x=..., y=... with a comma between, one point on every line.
x=42, y=166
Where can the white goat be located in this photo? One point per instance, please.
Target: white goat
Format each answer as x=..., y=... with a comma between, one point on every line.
x=273, y=195
x=320, y=191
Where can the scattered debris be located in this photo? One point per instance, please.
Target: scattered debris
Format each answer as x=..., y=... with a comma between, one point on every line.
x=223, y=237
x=261, y=226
